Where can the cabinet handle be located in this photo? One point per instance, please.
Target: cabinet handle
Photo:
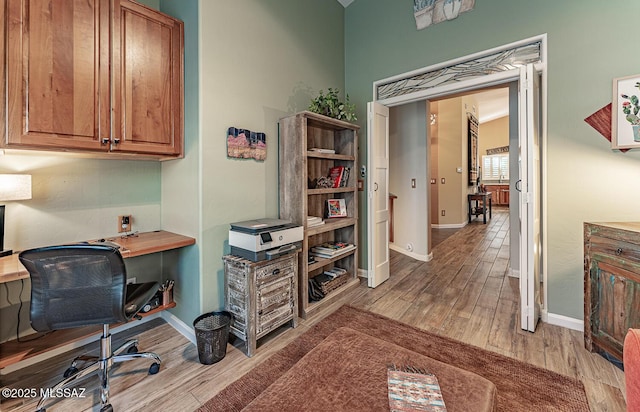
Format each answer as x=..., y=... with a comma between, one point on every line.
x=275, y=271
x=105, y=140
x=116, y=141
x=618, y=251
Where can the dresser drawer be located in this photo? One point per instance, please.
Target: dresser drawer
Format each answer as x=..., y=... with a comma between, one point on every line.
x=268, y=321
x=275, y=294
x=615, y=251
x=273, y=271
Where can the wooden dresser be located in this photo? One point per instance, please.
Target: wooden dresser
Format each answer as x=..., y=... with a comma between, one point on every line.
x=261, y=296
x=611, y=284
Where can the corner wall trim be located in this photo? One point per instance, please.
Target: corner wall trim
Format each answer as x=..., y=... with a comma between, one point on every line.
x=449, y=225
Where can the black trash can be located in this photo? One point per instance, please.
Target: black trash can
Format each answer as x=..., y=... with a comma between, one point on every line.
x=212, y=335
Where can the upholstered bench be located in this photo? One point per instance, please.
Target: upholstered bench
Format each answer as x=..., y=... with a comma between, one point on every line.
x=348, y=372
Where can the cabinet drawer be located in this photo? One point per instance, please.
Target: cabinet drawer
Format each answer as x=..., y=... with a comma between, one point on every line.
x=275, y=294
x=271, y=320
x=615, y=250
x=274, y=271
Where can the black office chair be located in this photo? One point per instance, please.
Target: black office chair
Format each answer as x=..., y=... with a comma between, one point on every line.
x=81, y=285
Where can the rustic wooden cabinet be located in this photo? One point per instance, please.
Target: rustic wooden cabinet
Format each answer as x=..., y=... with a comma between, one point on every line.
x=310, y=145
x=96, y=76
x=261, y=296
x=500, y=194
x=611, y=285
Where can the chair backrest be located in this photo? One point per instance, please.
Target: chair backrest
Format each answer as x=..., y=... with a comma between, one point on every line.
x=75, y=285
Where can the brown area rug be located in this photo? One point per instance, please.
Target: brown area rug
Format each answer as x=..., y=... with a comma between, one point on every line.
x=520, y=386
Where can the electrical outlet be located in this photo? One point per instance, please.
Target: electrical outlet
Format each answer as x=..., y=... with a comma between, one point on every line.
x=413, y=183
x=443, y=212
x=124, y=223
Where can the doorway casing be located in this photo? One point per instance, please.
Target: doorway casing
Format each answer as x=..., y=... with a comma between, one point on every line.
x=497, y=66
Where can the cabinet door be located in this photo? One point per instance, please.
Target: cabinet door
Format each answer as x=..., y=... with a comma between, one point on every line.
x=615, y=305
x=57, y=73
x=504, y=196
x=147, y=80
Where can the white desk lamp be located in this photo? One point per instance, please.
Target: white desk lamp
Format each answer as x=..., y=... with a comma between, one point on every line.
x=12, y=187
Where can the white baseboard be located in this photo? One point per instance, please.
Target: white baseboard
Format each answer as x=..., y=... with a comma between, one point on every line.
x=514, y=273
x=417, y=256
x=564, y=321
x=449, y=225
x=73, y=345
x=182, y=328
x=363, y=273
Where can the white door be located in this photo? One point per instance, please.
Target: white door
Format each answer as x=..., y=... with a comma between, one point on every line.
x=378, y=192
x=530, y=242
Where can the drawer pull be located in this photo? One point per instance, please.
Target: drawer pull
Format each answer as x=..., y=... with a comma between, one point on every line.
x=619, y=251
x=275, y=271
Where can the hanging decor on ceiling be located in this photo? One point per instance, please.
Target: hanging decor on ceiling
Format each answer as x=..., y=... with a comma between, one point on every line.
x=245, y=144
x=428, y=12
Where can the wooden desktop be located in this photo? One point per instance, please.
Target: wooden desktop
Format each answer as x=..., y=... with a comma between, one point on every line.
x=130, y=246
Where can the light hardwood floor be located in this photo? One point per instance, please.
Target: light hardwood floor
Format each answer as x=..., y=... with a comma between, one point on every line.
x=463, y=293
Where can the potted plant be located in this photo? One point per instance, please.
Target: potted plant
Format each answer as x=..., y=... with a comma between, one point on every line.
x=330, y=105
x=631, y=108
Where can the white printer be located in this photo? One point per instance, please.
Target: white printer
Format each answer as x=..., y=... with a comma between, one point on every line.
x=264, y=239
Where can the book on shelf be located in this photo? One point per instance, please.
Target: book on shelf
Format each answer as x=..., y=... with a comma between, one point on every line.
x=339, y=175
x=335, y=174
x=345, y=176
x=322, y=150
x=313, y=221
x=331, y=249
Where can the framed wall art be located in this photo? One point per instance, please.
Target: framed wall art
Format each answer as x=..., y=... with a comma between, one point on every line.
x=625, y=113
x=473, y=150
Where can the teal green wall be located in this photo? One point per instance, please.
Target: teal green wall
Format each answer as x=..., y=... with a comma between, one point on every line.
x=181, y=181
x=590, y=43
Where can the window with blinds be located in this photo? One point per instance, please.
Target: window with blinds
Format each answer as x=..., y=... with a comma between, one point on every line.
x=495, y=167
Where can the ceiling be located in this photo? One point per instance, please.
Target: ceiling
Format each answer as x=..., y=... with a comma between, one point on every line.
x=492, y=104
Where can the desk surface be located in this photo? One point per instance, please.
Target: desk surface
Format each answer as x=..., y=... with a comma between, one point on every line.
x=141, y=244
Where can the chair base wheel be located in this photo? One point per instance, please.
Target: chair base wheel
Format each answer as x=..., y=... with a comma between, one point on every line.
x=154, y=368
x=107, y=408
x=70, y=371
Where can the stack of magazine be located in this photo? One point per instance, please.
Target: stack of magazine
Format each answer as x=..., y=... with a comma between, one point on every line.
x=331, y=249
x=313, y=221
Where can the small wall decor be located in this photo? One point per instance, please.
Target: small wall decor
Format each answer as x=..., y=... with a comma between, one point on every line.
x=245, y=144
x=498, y=150
x=428, y=12
x=625, y=113
x=473, y=149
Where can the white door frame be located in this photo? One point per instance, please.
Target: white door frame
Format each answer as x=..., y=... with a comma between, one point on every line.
x=485, y=81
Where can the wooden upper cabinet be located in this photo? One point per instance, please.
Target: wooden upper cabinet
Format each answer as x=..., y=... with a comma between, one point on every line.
x=148, y=80
x=94, y=76
x=58, y=78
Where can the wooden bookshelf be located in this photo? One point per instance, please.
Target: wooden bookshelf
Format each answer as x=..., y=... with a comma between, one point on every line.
x=298, y=166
